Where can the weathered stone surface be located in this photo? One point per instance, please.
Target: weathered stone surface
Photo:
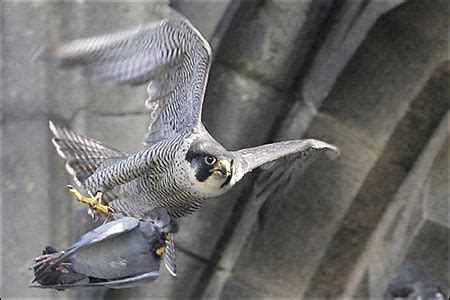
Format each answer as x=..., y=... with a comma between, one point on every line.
x=362, y=291
x=235, y=105
x=78, y=20
x=271, y=39
x=349, y=26
x=397, y=232
x=430, y=251
x=236, y=289
x=124, y=132
x=26, y=211
x=437, y=202
x=309, y=216
x=197, y=11
x=402, y=149
x=23, y=95
x=1, y=209
x=330, y=194
x=406, y=68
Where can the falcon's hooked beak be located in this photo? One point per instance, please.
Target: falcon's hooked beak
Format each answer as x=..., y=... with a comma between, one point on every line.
x=223, y=166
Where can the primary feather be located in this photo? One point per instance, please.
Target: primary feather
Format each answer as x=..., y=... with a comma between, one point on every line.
x=183, y=165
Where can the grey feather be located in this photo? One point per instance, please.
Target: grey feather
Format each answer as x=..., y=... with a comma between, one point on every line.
x=121, y=252
x=413, y=282
x=170, y=53
x=170, y=257
x=108, y=230
x=83, y=155
x=266, y=155
x=128, y=282
x=176, y=59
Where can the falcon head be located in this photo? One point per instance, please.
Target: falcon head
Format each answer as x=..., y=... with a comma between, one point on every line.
x=210, y=168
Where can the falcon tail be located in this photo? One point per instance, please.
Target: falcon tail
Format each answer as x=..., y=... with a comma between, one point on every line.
x=83, y=155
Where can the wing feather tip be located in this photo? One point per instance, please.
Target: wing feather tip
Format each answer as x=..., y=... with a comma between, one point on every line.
x=333, y=152
x=52, y=127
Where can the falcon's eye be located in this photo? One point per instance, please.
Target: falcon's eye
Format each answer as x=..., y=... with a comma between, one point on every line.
x=210, y=160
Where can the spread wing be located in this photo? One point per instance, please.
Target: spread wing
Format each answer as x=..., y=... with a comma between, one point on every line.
x=99, y=234
x=170, y=54
x=282, y=156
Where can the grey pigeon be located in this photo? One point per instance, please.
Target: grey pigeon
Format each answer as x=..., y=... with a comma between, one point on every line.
x=413, y=283
x=121, y=253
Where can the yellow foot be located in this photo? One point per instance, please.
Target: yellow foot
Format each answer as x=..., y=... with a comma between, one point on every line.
x=160, y=251
x=95, y=202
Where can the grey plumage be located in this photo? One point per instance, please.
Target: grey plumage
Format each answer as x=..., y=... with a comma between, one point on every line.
x=413, y=282
x=119, y=254
x=183, y=165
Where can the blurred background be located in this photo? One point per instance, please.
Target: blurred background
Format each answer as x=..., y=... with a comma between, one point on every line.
x=370, y=76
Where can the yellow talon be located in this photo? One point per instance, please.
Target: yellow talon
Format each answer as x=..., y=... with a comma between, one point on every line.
x=95, y=202
x=160, y=251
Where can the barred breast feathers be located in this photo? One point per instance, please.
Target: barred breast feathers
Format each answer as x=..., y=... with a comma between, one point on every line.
x=155, y=159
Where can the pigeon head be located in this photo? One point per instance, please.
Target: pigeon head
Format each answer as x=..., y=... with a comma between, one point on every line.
x=161, y=219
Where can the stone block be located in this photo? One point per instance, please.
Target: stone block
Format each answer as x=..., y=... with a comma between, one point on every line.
x=271, y=39
x=347, y=29
x=236, y=289
x=404, y=147
x=430, y=251
x=23, y=81
x=196, y=11
x=240, y=112
x=399, y=224
x=403, y=218
x=389, y=66
x=437, y=189
x=67, y=90
x=26, y=213
x=297, y=222
x=353, y=125
x=362, y=291
x=123, y=132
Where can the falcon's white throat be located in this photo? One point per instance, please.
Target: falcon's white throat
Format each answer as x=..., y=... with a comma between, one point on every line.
x=215, y=184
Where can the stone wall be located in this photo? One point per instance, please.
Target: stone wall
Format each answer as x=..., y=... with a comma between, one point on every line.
x=370, y=76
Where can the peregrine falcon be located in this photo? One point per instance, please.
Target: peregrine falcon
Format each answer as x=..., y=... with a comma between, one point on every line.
x=183, y=164
x=121, y=253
